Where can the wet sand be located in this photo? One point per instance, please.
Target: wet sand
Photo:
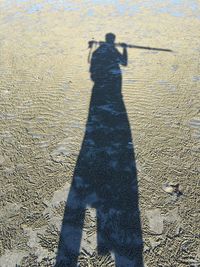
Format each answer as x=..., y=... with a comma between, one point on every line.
x=45, y=91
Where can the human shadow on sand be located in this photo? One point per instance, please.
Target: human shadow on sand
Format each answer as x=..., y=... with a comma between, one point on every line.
x=105, y=176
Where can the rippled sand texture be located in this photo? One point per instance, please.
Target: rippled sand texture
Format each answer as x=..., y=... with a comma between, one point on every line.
x=45, y=91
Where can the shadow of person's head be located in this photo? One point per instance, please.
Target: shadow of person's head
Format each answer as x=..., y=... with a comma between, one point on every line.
x=110, y=38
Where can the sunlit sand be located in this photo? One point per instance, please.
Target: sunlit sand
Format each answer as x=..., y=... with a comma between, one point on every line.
x=46, y=116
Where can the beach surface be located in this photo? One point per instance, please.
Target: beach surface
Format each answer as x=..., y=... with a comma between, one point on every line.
x=45, y=91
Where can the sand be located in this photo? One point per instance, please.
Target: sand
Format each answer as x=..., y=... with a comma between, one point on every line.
x=45, y=91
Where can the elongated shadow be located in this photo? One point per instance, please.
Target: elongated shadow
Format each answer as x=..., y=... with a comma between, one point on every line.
x=105, y=175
